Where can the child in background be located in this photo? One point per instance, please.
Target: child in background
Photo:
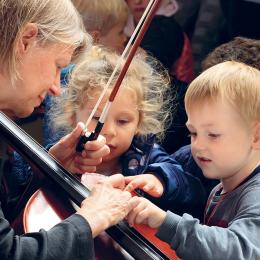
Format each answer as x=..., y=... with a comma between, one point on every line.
x=139, y=112
x=105, y=21
x=164, y=32
x=223, y=107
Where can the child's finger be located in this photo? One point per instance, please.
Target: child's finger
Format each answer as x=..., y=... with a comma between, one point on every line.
x=129, y=179
x=149, y=186
x=134, y=185
x=131, y=218
x=117, y=181
x=141, y=218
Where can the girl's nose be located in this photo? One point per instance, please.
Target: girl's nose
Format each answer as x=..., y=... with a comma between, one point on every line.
x=109, y=129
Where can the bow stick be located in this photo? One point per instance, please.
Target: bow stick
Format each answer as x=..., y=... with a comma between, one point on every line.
x=144, y=24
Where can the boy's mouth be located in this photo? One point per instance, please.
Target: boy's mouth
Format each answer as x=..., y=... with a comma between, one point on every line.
x=203, y=160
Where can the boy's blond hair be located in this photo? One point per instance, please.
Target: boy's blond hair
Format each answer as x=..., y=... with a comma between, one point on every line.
x=235, y=82
x=57, y=22
x=102, y=15
x=92, y=75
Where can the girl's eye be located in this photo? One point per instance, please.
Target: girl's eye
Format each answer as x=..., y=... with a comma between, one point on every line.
x=122, y=121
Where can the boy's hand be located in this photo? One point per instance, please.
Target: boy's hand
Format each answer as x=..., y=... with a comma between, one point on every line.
x=145, y=212
x=86, y=161
x=147, y=182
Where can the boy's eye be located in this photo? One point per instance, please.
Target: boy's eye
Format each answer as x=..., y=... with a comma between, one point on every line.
x=192, y=134
x=213, y=135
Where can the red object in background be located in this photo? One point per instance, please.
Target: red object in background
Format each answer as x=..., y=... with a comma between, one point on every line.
x=183, y=67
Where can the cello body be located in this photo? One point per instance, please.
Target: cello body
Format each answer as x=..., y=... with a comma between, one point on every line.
x=43, y=210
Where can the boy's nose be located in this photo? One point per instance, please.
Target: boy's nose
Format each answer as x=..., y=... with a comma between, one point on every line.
x=198, y=144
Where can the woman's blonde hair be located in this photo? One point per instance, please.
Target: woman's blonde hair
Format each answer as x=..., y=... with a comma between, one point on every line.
x=57, y=22
x=102, y=15
x=151, y=85
x=231, y=81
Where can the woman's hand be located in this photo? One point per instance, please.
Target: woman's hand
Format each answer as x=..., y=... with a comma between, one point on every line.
x=86, y=161
x=105, y=207
x=147, y=182
x=145, y=212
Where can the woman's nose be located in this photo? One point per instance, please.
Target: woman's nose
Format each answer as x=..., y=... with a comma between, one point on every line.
x=55, y=89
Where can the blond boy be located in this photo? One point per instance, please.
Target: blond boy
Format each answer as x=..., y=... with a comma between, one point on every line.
x=223, y=107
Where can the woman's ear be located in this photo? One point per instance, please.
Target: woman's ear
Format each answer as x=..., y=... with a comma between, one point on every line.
x=256, y=137
x=28, y=37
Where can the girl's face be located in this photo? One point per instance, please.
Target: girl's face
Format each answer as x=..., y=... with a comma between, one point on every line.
x=137, y=8
x=221, y=142
x=121, y=124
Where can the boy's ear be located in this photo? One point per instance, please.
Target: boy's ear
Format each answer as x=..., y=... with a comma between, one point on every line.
x=256, y=140
x=96, y=36
x=28, y=37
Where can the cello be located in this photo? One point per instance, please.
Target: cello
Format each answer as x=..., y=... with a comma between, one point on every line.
x=131, y=240
x=139, y=241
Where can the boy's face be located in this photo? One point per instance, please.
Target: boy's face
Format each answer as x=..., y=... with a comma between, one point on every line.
x=121, y=123
x=115, y=38
x=220, y=141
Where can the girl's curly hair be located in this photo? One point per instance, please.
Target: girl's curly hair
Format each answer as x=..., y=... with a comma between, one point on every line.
x=145, y=76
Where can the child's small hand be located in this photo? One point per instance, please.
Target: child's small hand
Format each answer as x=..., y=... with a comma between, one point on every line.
x=147, y=182
x=145, y=212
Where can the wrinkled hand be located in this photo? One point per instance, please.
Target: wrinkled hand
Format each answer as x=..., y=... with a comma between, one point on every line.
x=105, y=207
x=86, y=161
x=145, y=212
x=147, y=182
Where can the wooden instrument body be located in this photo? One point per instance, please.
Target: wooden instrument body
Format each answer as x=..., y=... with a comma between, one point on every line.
x=47, y=208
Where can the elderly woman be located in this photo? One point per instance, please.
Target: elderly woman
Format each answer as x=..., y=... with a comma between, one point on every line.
x=38, y=38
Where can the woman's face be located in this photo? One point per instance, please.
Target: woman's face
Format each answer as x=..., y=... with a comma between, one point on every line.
x=39, y=70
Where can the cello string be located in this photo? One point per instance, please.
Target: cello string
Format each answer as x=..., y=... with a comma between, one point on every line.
x=122, y=57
